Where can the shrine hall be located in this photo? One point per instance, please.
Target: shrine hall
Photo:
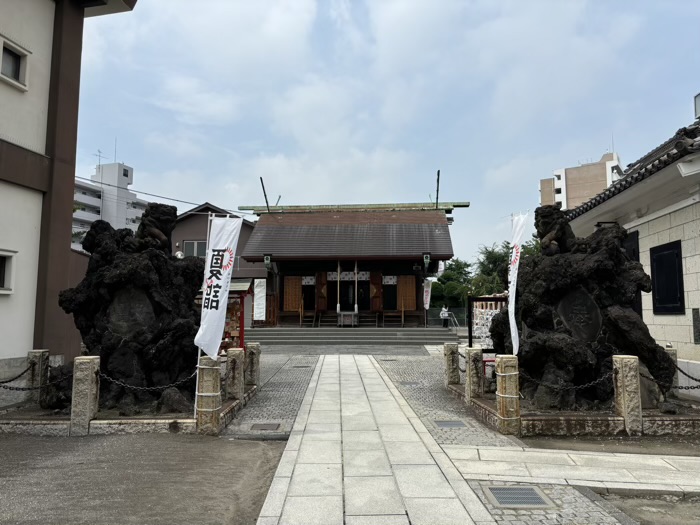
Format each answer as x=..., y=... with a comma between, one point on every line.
x=349, y=265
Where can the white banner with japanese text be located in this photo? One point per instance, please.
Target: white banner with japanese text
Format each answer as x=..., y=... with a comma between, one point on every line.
x=427, y=288
x=519, y=222
x=260, y=291
x=223, y=239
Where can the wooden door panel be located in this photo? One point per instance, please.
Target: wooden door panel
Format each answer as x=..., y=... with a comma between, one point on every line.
x=292, y=293
x=375, y=291
x=406, y=292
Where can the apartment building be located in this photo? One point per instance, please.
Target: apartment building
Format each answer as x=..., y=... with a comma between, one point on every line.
x=41, y=45
x=571, y=187
x=107, y=197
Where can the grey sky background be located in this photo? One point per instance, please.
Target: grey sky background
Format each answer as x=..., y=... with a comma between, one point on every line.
x=339, y=101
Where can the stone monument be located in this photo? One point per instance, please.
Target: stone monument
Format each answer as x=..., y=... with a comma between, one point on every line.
x=574, y=312
x=135, y=309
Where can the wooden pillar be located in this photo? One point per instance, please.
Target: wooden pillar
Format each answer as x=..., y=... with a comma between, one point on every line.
x=356, y=310
x=337, y=307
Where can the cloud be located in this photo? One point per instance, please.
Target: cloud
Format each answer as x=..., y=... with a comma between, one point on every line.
x=179, y=143
x=194, y=102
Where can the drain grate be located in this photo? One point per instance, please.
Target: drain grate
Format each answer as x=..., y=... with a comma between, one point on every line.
x=449, y=424
x=301, y=366
x=265, y=426
x=388, y=359
x=408, y=383
x=518, y=497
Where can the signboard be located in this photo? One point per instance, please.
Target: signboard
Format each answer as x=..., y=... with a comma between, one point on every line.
x=223, y=239
x=259, y=298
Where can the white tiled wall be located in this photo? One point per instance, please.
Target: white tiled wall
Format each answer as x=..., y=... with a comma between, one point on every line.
x=683, y=225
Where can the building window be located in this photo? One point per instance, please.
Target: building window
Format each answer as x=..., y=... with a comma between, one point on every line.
x=195, y=248
x=125, y=172
x=6, y=271
x=11, y=63
x=667, y=279
x=557, y=191
x=14, y=65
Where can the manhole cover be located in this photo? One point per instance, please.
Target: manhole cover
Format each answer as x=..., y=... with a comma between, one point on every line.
x=518, y=497
x=301, y=366
x=408, y=383
x=450, y=424
x=265, y=426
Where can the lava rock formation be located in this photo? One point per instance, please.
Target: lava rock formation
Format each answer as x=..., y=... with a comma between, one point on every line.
x=574, y=311
x=135, y=309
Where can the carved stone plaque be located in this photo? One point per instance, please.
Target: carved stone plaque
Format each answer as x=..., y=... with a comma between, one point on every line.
x=580, y=315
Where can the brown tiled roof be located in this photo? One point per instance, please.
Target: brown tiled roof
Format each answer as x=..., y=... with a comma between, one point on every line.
x=343, y=234
x=683, y=143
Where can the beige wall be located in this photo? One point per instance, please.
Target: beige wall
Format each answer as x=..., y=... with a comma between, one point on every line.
x=546, y=192
x=20, y=225
x=683, y=225
x=584, y=182
x=29, y=24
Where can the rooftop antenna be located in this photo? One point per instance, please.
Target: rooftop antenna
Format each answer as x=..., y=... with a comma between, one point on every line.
x=265, y=194
x=278, y=199
x=612, y=141
x=437, y=191
x=99, y=162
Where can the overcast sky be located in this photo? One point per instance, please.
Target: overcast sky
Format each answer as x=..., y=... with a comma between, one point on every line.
x=352, y=101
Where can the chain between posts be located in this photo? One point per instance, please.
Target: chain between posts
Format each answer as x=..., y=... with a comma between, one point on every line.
x=463, y=357
x=30, y=367
x=671, y=387
x=146, y=388
x=568, y=387
x=686, y=374
x=28, y=388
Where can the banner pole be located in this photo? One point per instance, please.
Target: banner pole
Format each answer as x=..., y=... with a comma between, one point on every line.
x=199, y=350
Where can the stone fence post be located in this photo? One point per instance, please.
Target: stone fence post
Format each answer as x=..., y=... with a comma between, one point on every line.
x=208, y=398
x=628, y=399
x=673, y=353
x=451, y=353
x=252, y=369
x=474, y=383
x=235, y=385
x=86, y=394
x=39, y=375
x=508, y=394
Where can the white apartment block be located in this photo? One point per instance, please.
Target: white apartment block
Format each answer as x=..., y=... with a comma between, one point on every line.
x=107, y=197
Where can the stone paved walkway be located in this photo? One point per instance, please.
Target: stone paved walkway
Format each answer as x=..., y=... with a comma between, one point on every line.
x=360, y=453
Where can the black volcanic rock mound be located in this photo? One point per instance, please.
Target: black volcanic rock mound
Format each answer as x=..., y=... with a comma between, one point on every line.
x=574, y=312
x=135, y=309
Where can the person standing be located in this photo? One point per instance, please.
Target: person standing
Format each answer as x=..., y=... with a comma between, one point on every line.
x=444, y=315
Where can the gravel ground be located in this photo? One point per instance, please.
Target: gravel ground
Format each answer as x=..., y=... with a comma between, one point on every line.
x=420, y=381
x=278, y=399
x=142, y=479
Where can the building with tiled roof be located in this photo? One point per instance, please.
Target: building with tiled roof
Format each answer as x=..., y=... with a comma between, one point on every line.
x=328, y=261
x=658, y=201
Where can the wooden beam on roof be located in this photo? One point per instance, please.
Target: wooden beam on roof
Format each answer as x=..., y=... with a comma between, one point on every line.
x=447, y=207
